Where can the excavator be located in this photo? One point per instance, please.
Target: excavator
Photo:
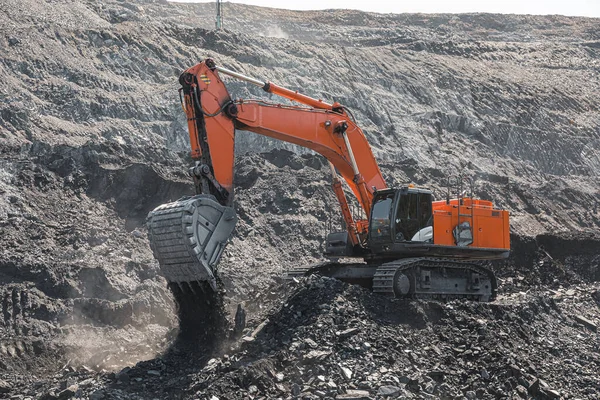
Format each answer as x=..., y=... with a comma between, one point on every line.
x=405, y=245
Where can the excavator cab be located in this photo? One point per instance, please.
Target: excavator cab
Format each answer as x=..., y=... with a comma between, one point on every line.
x=401, y=215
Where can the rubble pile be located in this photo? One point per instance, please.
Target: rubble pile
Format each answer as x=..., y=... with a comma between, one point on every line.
x=328, y=339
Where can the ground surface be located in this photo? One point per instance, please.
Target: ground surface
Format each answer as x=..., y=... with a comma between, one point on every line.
x=92, y=137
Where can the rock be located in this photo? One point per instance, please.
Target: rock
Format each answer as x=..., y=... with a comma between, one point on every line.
x=259, y=328
x=153, y=372
x=68, y=392
x=366, y=346
x=586, y=322
x=98, y=395
x=316, y=356
x=239, y=321
x=347, y=333
x=137, y=234
x=429, y=387
x=296, y=389
x=515, y=370
x=470, y=395
x=389, y=391
x=346, y=373
x=484, y=374
x=353, y=394
x=534, y=387
x=521, y=391
x=4, y=386
x=551, y=393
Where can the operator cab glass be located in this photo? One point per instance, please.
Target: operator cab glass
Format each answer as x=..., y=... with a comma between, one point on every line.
x=402, y=215
x=380, y=226
x=413, y=216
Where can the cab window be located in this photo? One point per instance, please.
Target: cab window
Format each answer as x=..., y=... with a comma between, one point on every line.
x=380, y=216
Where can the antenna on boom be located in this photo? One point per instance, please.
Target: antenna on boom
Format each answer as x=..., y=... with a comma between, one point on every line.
x=219, y=21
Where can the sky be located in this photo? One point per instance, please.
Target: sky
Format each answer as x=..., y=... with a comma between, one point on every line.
x=588, y=8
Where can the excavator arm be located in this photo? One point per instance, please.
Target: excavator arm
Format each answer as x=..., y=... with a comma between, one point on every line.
x=325, y=128
x=188, y=236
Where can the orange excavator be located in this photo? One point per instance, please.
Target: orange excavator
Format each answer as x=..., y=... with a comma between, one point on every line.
x=409, y=246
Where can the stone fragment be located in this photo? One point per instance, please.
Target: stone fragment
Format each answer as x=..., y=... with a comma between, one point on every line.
x=534, y=387
x=316, y=355
x=346, y=373
x=68, y=392
x=347, y=333
x=138, y=234
x=484, y=374
x=296, y=389
x=435, y=374
x=259, y=328
x=4, y=386
x=429, y=387
x=389, y=391
x=353, y=394
x=153, y=372
x=551, y=393
x=98, y=395
x=123, y=375
x=515, y=370
x=521, y=391
x=586, y=322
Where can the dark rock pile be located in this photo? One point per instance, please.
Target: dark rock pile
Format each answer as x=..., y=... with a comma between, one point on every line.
x=327, y=339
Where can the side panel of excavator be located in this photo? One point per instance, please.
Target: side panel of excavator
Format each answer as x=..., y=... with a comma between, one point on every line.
x=488, y=226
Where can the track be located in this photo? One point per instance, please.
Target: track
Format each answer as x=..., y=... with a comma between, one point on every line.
x=432, y=278
x=422, y=278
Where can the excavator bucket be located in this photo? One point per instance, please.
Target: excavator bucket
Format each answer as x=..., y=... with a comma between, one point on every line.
x=188, y=237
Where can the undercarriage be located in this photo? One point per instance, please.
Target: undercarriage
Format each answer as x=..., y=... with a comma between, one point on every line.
x=421, y=278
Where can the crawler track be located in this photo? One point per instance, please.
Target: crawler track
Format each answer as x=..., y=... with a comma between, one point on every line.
x=423, y=278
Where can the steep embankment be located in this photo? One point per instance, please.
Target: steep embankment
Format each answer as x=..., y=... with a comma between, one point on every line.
x=92, y=137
